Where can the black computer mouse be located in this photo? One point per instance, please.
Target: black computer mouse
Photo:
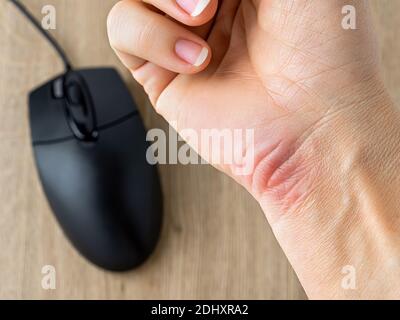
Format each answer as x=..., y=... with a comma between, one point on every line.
x=90, y=148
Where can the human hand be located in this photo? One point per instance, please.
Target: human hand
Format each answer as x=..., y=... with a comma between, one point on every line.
x=309, y=89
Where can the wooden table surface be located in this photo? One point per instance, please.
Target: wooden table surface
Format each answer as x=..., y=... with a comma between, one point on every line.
x=216, y=243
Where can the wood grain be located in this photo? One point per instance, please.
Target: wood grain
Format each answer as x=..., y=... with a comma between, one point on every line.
x=215, y=243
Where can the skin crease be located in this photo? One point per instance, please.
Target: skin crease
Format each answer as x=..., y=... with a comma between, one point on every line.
x=326, y=132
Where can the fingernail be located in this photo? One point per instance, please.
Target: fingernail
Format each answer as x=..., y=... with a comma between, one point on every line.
x=191, y=52
x=193, y=7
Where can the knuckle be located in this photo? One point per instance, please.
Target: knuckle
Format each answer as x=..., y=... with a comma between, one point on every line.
x=114, y=21
x=125, y=32
x=145, y=35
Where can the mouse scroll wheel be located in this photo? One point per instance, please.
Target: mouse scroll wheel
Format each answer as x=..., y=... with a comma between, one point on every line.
x=75, y=95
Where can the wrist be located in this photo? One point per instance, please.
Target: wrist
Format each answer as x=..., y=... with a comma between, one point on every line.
x=367, y=226
x=346, y=216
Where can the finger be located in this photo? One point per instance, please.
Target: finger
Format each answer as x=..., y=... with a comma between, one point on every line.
x=129, y=61
x=188, y=12
x=154, y=80
x=151, y=77
x=135, y=30
x=220, y=38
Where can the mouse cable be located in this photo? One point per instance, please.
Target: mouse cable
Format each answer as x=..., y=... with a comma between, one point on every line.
x=46, y=34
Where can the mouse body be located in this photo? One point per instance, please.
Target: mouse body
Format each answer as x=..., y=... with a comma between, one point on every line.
x=90, y=147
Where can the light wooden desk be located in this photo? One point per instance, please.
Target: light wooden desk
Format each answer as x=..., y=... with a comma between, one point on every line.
x=215, y=244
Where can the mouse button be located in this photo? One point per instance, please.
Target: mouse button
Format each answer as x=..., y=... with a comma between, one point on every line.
x=111, y=97
x=47, y=115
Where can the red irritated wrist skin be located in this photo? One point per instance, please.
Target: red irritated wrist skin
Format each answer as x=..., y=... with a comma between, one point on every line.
x=332, y=199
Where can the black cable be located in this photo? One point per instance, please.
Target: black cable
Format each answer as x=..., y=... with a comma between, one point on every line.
x=47, y=35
